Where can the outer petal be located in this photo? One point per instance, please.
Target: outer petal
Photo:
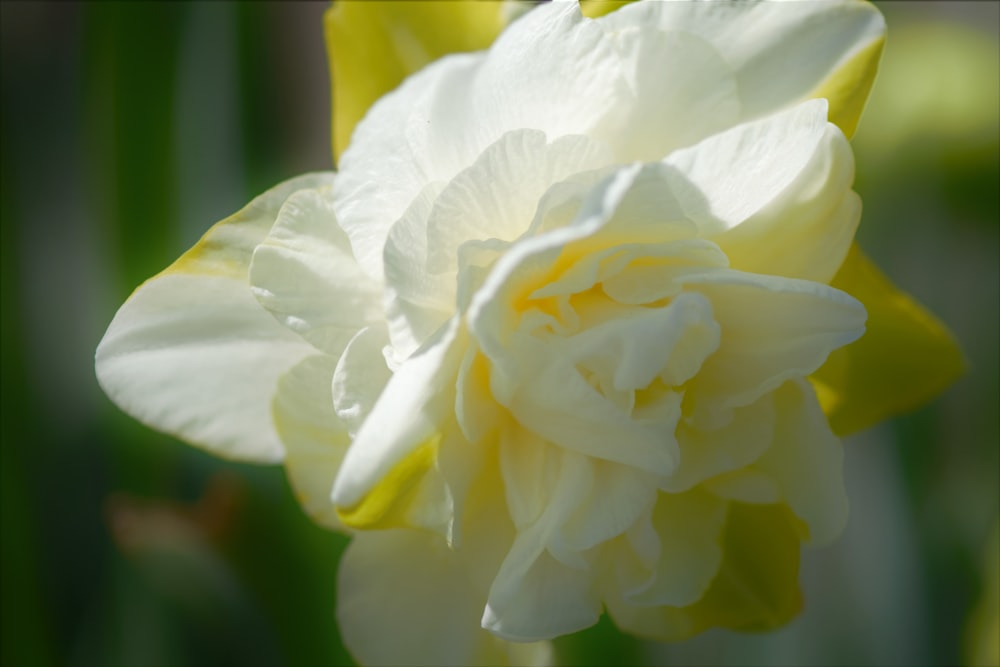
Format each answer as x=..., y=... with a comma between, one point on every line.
x=395, y=451
x=756, y=587
x=775, y=194
x=440, y=120
x=806, y=462
x=404, y=598
x=315, y=440
x=759, y=40
x=303, y=272
x=774, y=329
x=373, y=45
x=193, y=354
x=689, y=526
x=906, y=357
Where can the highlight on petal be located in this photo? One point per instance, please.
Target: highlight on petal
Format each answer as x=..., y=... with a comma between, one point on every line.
x=906, y=357
x=775, y=194
x=757, y=39
x=372, y=46
x=193, y=354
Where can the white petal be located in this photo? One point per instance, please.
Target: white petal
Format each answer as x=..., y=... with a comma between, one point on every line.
x=682, y=89
x=360, y=376
x=806, y=461
x=497, y=195
x=705, y=454
x=735, y=173
x=442, y=118
x=417, y=302
x=305, y=274
x=404, y=598
x=689, y=526
x=775, y=193
x=764, y=42
x=549, y=600
x=410, y=414
x=192, y=353
x=773, y=329
x=315, y=439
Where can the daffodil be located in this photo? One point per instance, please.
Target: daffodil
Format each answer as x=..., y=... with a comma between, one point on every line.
x=565, y=333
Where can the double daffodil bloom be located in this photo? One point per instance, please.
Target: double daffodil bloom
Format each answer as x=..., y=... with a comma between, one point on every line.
x=571, y=330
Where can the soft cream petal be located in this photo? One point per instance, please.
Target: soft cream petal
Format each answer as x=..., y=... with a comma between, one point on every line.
x=705, y=453
x=758, y=40
x=405, y=598
x=417, y=302
x=315, y=439
x=775, y=194
x=806, y=462
x=360, y=376
x=682, y=90
x=496, y=197
x=689, y=526
x=396, y=446
x=773, y=329
x=549, y=599
x=442, y=118
x=197, y=357
x=304, y=273
x=731, y=175
x=193, y=354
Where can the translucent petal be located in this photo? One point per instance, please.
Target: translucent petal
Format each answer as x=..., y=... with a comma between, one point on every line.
x=193, y=354
x=755, y=589
x=373, y=46
x=775, y=194
x=304, y=273
x=689, y=526
x=759, y=39
x=315, y=439
x=806, y=462
x=405, y=598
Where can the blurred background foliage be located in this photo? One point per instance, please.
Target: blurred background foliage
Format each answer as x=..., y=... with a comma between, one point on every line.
x=128, y=128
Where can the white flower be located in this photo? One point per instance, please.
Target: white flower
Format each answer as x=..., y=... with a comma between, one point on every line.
x=547, y=331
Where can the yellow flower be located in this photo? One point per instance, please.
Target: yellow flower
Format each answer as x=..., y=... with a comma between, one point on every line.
x=548, y=340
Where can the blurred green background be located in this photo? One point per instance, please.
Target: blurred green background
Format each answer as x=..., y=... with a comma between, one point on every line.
x=129, y=128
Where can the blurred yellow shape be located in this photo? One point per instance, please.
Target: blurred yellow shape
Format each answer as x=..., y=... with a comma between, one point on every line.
x=906, y=357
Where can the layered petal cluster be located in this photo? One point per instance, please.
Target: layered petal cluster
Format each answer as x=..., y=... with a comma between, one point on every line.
x=544, y=343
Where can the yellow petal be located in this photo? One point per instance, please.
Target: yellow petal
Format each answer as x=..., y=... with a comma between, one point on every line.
x=372, y=46
x=848, y=87
x=387, y=503
x=755, y=589
x=906, y=357
x=595, y=8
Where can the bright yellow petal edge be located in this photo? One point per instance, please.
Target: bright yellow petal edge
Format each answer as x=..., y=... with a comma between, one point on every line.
x=386, y=504
x=906, y=357
x=847, y=88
